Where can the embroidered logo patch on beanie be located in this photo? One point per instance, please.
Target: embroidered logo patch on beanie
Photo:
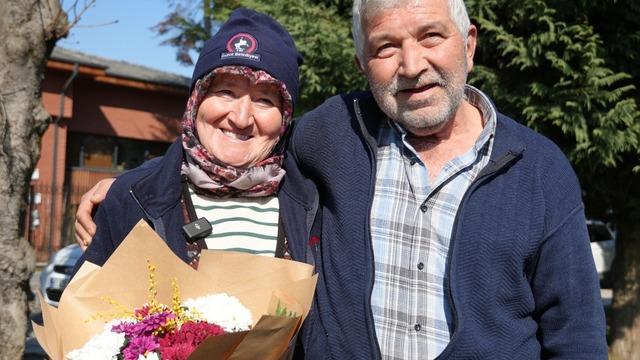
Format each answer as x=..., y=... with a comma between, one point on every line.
x=242, y=45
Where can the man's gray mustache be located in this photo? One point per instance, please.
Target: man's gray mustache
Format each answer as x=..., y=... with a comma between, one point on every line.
x=401, y=84
x=402, y=87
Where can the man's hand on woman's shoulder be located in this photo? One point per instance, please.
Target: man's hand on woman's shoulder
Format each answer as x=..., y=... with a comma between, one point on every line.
x=84, y=225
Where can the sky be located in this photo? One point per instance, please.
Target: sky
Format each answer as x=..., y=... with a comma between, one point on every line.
x=130, y=39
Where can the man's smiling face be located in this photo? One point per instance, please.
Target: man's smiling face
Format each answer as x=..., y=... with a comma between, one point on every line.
x=417, y=62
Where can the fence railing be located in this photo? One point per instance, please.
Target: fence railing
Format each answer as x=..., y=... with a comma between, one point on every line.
x=50, y=229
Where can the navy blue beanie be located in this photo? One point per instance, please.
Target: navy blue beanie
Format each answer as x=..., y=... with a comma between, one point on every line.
x=255, y=40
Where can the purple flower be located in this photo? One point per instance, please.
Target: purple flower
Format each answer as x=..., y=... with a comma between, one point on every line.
x=123, y=327
x=146, y=326
x=139, y=346
x=153, y=322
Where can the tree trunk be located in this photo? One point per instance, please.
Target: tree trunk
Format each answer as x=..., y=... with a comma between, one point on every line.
x=29, y=29
x=625, y=324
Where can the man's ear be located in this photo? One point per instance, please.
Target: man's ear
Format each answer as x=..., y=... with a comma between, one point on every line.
x=358, y=63
x=470, y=45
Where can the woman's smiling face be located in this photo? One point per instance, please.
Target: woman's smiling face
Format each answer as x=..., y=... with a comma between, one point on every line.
x=239, y=121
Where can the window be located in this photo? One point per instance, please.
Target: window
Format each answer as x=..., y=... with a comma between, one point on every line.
x=110, y=153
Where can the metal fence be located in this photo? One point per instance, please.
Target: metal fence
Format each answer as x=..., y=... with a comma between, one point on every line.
x=48, y=229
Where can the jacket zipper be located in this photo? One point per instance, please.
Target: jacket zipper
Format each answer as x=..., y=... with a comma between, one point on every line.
x=155, y=223
x=503, y=162
x=368, y=231
x=135, y=198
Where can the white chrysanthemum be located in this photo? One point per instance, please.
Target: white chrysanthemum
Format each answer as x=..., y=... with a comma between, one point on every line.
x=104, y=346
x=150, y=356
x=223, y=310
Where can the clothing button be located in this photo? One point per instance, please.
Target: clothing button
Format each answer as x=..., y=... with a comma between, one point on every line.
x=423, y=208
x=417, y=327
x=412, y=161
x=420, y=266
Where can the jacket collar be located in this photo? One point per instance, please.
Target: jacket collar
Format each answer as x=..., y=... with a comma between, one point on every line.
x=508, y=140
x=160, y=189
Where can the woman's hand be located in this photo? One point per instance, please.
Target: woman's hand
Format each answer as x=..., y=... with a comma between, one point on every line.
x=84, y=226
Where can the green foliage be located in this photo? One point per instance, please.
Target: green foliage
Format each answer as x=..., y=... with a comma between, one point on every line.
x=343, y=7
x=566, y=69
x=187, y=27
x=322, y=35
x=282, y=311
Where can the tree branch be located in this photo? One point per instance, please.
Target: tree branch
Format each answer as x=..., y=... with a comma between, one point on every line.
x=78, y=15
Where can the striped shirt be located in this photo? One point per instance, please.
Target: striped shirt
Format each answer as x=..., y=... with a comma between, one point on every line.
x=240, y=224
x=411, y=225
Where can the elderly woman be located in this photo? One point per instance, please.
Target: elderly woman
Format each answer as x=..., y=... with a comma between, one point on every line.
x=215, y=187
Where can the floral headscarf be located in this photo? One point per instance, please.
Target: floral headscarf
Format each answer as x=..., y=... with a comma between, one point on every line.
x=215, y=178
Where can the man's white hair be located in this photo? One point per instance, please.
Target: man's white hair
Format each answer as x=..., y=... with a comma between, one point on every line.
x=457, y=11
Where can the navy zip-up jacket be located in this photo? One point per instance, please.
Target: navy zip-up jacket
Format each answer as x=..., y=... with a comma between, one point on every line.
x=522, y=279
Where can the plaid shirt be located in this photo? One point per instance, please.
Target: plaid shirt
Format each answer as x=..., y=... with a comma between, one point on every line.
x=411, y=225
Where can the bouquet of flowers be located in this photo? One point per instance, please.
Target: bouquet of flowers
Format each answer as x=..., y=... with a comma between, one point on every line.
x=159, y=331
x=238, y=305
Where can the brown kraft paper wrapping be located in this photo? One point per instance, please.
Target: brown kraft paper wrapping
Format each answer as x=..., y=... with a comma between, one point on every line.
x=260, y=283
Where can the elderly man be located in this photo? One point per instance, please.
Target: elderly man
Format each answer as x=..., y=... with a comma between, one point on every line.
x=439, y=227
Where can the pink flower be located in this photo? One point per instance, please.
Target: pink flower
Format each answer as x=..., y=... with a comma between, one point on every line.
x=180, y=344
x=143, y=311
x=177, y=352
